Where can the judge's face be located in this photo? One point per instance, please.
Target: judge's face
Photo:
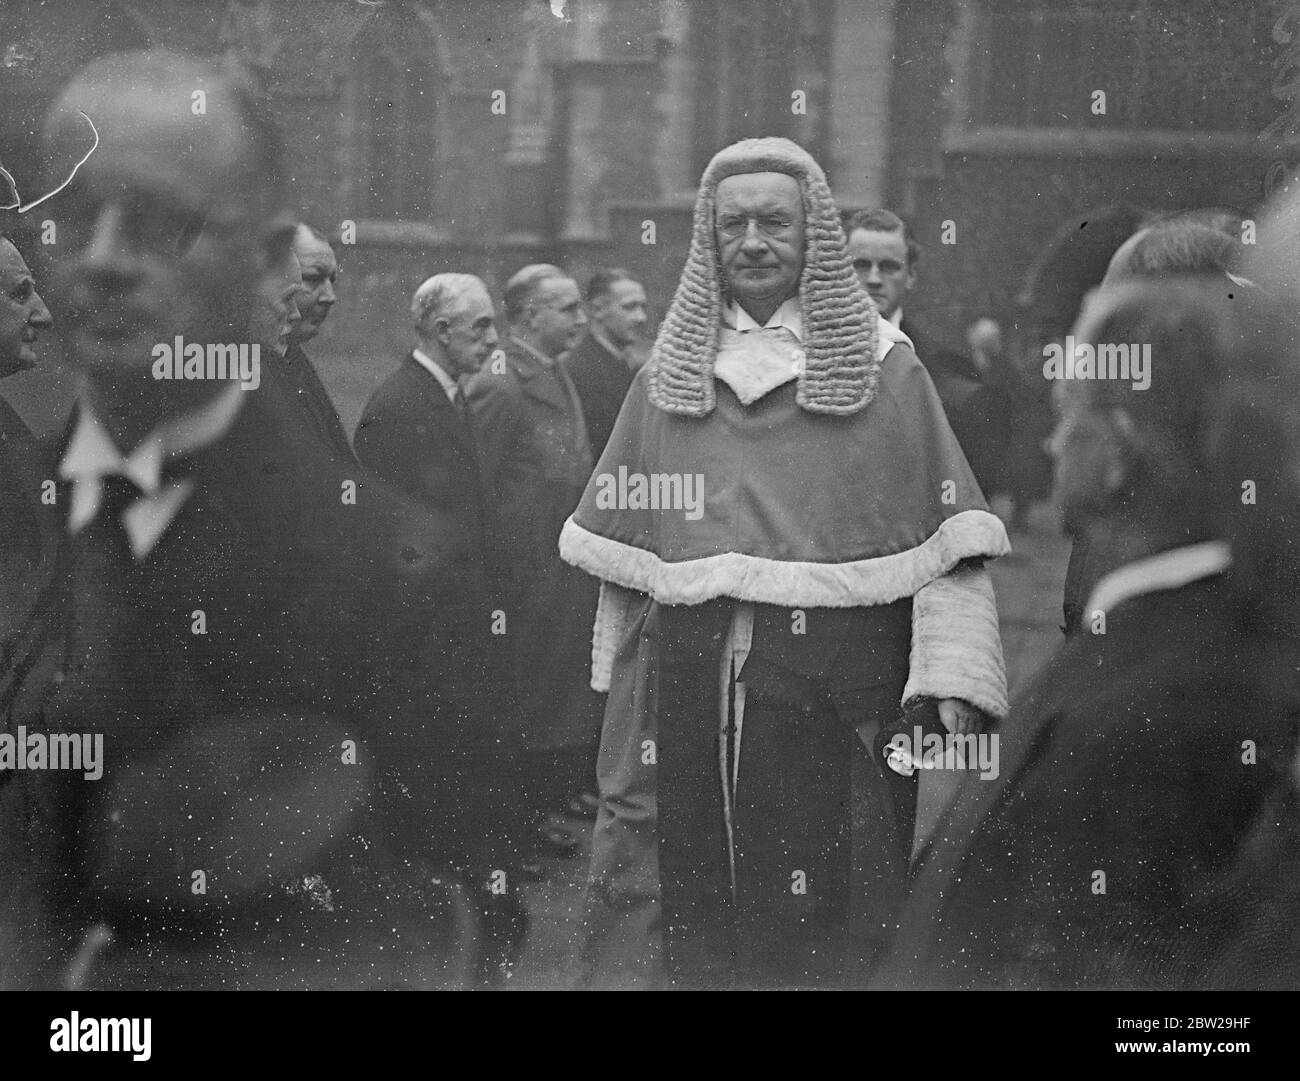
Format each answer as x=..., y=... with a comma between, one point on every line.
x=22, y=312
x=759, y=232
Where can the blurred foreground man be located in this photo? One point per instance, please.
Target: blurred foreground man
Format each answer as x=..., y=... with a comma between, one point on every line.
x=1136, y=761
x=1176, y=247
x=602, y=364
x=184, y=765
x=790, y=546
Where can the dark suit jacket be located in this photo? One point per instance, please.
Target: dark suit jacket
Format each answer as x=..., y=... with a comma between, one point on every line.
x=412, y=436
x=23, y=536
x=602, y=380
x=304, y=495
x=537, y=458
x=1124, y=757
x=225, y=751
x=954, y=376
x=317, y=408
x=1255, y=909
x=418, y=609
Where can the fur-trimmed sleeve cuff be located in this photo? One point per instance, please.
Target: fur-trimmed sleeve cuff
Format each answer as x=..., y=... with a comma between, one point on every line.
x=614, y=613
x=956, y=647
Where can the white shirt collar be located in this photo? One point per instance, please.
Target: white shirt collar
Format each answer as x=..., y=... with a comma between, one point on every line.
x=754, y=367
x=92, y=455
x=1165, y=570
x=430, y=365
x=788, y=315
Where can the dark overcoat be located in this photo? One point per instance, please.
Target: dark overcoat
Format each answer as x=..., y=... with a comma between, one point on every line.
x=602, y=380
x=1130, y=772
x=228, y=673
x=530, y=429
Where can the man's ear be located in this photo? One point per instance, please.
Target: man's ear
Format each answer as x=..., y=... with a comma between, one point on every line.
x=442, y=330
x=1120, y=450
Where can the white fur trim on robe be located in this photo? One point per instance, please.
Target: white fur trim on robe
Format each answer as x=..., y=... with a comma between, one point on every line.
x=614, y=613
x=876, y=580
x=956, y=647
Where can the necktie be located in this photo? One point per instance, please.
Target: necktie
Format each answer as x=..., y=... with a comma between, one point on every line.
x=107, y=532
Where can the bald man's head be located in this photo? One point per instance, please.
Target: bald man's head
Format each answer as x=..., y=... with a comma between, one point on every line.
x=171, y=124
x=544, y=307
x=22, y=312
x=320, y=270
x=162, y=232
x=455, y=322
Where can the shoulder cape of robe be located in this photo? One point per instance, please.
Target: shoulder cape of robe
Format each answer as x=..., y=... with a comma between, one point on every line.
x=798, y=509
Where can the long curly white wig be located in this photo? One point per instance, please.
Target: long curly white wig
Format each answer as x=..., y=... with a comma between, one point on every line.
x=840, y=368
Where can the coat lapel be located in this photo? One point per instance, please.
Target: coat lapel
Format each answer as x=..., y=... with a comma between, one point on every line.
x=438, y=408
x=532, y=382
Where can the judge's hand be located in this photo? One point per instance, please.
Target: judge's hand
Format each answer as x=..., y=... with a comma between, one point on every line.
x=960, y=718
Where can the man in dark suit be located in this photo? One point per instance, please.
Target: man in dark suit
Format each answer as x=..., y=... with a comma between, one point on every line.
x=193, y=637
x=1136, y=763
x=415, y=433
x=415, y=430
x=315, y=300
x=23, y=315
x=601, y=364
x=884, y=255
x=531, y=430
x=1175, y=246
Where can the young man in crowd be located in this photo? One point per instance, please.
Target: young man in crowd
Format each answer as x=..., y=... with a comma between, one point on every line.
x=602, y=363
